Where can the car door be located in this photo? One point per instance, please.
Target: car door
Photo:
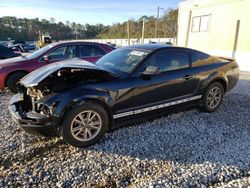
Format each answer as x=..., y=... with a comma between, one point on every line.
x=172, y=83
x=90, y=52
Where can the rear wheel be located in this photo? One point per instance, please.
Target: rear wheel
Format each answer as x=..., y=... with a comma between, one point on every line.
x=13, y=79
x=85, y=125
x=213, y=96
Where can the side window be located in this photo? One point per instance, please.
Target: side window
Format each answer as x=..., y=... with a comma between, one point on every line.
x=91, y=51
x=167, y=61
x=71, y=52
x=65, y=52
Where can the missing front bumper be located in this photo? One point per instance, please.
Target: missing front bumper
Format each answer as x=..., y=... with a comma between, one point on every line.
x=31, y=122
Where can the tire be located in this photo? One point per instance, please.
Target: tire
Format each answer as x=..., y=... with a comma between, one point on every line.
x=13, y=79
x=76, y=128
x=213, y=97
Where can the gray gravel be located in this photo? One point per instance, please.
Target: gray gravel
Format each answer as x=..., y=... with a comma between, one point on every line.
x=187, y=149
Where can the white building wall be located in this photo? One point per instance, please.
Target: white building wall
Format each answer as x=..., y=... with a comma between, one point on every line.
x=220, y=37
x=133, y=41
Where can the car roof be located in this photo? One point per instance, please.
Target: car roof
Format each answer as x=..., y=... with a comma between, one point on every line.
x=74, y=42
x=154, y=47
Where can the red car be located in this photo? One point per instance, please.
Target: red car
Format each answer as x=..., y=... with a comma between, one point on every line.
x=12, y=70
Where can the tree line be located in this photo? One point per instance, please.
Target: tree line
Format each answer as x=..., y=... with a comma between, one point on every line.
x=28, y=29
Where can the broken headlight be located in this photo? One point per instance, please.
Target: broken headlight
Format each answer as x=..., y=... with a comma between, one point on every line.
x=44, y=109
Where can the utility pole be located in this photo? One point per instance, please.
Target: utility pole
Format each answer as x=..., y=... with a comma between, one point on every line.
x=236, y=38
x=128, y=32
x=156, y=21
x=143, y=30
x=76, y=33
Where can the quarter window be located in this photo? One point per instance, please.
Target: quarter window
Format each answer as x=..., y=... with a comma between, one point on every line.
x=199, y=59
x=168, y=61
x=91, y=51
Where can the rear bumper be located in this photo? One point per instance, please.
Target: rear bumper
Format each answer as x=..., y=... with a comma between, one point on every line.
x=233, y=77
x=31, y=122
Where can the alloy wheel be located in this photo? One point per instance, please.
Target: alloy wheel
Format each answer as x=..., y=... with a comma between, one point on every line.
x=86, y=125
x=214, y=97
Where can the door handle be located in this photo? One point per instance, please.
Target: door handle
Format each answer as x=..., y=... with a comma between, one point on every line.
x=188, y=77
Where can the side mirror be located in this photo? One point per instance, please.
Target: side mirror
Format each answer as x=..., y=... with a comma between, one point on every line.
x=46, y=58
x=151, y=70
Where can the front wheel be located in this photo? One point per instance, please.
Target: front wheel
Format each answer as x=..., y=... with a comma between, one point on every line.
x=212, y=97
x=13, y=80
x=85, y=125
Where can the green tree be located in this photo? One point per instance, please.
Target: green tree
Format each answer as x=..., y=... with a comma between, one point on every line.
x=169, y=23
x=28, y=29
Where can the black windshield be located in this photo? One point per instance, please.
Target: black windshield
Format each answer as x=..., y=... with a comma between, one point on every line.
x=123, y=60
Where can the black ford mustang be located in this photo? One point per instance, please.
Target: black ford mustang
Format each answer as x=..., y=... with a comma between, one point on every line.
x=81, y=101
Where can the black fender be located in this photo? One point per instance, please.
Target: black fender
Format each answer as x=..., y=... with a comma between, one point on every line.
x=61, y=102
x=215, y=77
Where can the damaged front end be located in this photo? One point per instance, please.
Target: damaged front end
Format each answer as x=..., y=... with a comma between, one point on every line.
x=30, y=110
x=31, y=120
x=34, y=108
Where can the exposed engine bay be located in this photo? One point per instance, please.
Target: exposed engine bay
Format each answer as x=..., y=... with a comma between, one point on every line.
x=61, y=79
x=66, y=78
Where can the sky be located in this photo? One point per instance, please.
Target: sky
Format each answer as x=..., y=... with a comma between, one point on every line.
x=106, y=12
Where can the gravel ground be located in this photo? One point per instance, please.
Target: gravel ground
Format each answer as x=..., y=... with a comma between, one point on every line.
x=187, y=149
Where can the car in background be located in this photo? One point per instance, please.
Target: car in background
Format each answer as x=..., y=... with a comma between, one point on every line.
x=82, y=101
x=112, y=45
x=30, y=47
x=18, y=47
x=12, y=70
x=167, y=43
x=6, y=52
x=22, y=46
x=4, y=43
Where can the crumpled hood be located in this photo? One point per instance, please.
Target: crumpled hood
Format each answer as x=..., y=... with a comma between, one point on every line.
x=13, y=60
x=35, y=77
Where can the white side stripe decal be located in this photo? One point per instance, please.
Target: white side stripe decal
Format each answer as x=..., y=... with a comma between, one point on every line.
x=133, y=112
x=123, y=114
